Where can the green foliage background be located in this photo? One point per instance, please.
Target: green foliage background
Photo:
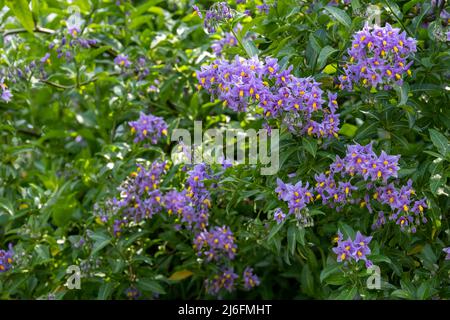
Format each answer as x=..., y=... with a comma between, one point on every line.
x=49, y=181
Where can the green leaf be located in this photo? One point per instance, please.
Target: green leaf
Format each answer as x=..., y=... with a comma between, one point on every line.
x=105, y=291
x=336, y=279
x=5, y=205
x=310, y=145
x=366, y=130
x=307, y=280
x=439, y=141
x=22, y=12
x=99, y=245
x=43, y=253
x=402, y=93
x=301, y=236
x=400, y=293
x=355, y=5
x=348, y=130
x=291, y=234
x=328, y=271
x=407, y=6
x=340, y=16
x=346, y=230
x=324, y=54
x=275, y=230
x=150, y=285
x=395, y=8
x=330, y=69
x=424, y=291
x=347, y=294
x=436, y=177
x=101, y=240
x=181, y=275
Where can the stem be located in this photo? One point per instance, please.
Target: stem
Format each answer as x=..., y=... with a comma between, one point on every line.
x=22, y=30
x=398, y=20
x=56, y=85
x=238, y=39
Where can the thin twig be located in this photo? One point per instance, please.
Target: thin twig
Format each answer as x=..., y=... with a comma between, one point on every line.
x=57, y=85
x=22, y=30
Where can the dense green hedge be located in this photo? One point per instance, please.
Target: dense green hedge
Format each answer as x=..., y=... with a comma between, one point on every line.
x=87, y=179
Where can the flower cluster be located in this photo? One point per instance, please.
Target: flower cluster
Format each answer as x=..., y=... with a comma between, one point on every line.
x=250, y=280
x=22, y=71
x=216, y=244
x=139, y=69
x=363, y=161
x=140, y=197
x=69, y=42
x=132, y=293
x=6, y=259
x=224, y=280
x=6, y=93
x=378, y=56
x=298, y=102
x=353, y=250
x=297, y=196
x=337, y=187
x=263, y=8
x=148, y=127
x=217, y=13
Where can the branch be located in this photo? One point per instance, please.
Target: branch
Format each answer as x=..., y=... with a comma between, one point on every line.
x=57, y=85
x=22, y=30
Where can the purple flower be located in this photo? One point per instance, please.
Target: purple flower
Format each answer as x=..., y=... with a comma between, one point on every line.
x=148, y=127
x=279, y=216
x=118, y=226
x=217, y=13
x=216, y=244
x=6, y=93
x=263, y=8
x=224, y=280
x=228, y=40
x=74, y=31
x=140, y=197
x=296, y=196
x=6, y=259
x=337, y=187
x=122, y=61
x=250, y=280
x=447, y=251
x=46, y=58
x=353, y=250
x=298, y=102
x=197, y=11
x=132, y=293
x=378, y=57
